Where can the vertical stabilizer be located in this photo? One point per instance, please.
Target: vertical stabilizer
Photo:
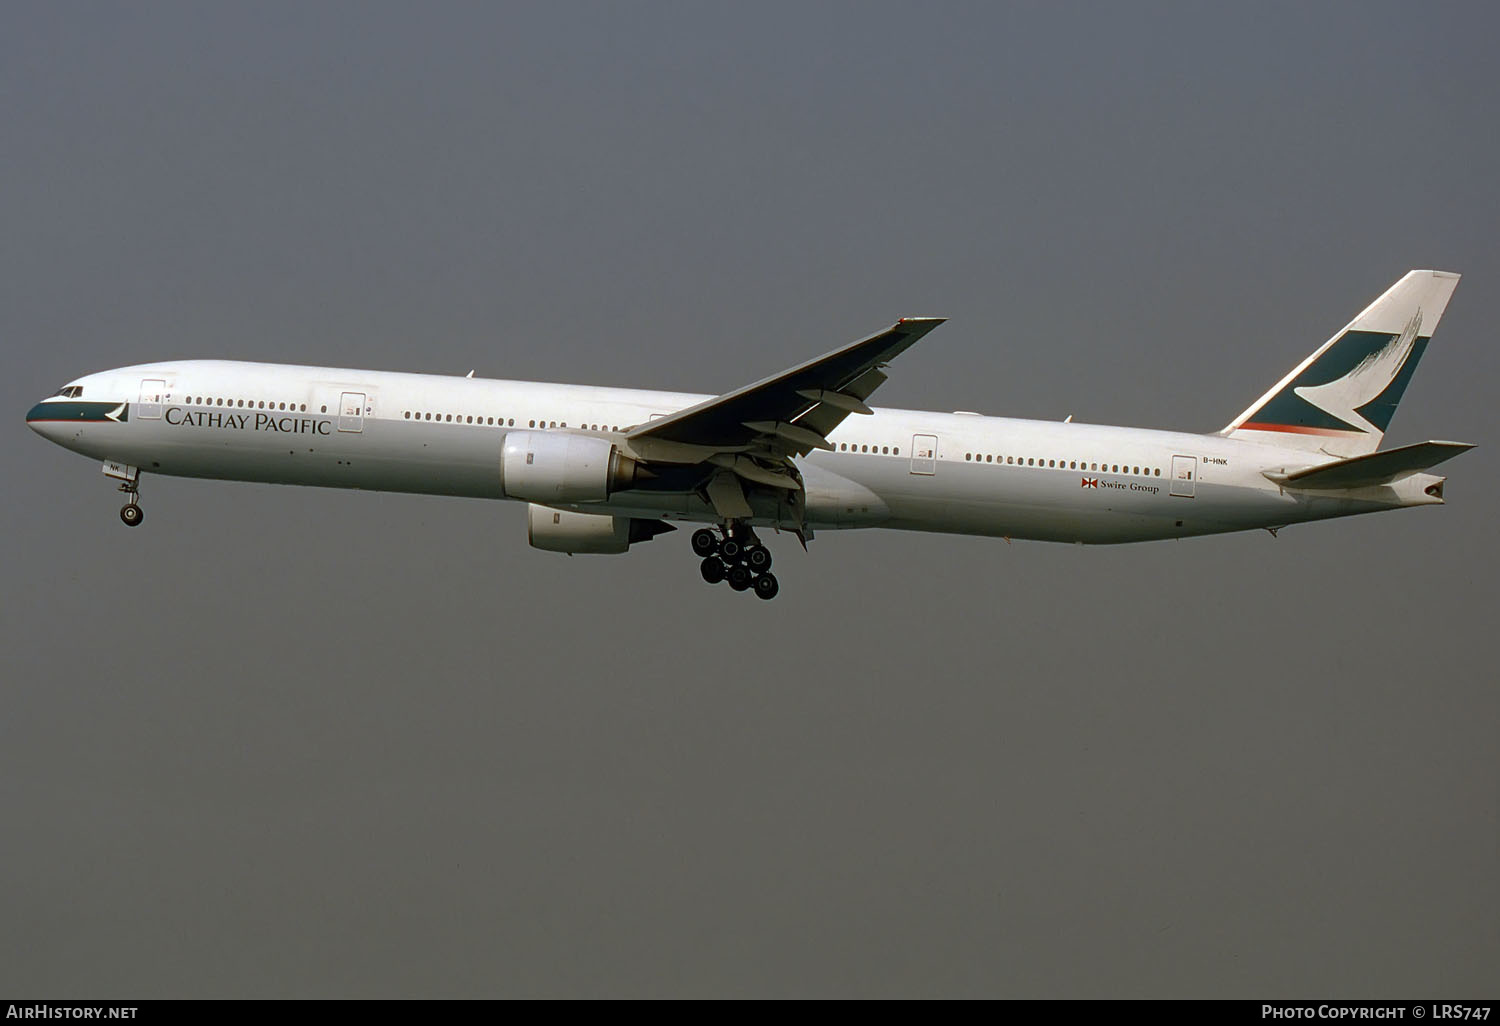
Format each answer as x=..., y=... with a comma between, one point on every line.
x=1341, y=398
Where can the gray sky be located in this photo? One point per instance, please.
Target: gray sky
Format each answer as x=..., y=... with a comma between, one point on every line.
x=292, y=742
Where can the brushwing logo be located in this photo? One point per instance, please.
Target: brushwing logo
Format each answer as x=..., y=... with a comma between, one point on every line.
x=117, y=414
x=1365, y=381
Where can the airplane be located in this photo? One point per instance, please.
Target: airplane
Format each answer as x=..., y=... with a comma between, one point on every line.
x=602, y=469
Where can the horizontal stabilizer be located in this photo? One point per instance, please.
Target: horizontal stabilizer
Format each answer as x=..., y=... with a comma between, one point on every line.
x=1377, y=468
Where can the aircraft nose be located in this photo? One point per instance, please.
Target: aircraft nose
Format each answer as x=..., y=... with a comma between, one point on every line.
x=38, y=420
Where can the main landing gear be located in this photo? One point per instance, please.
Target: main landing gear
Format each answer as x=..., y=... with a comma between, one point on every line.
x=735, y=555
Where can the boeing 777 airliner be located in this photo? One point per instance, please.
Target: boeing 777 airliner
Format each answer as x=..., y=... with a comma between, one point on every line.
x=799, y=451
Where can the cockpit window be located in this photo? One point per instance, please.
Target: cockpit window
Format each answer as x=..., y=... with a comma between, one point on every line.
x=71, y=392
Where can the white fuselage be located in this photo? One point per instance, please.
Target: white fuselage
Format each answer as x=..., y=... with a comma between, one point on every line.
x=903, y=469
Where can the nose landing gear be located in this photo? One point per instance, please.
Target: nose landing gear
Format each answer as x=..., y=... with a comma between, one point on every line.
x=131, y=513
x=735, y=554
x=130, y=483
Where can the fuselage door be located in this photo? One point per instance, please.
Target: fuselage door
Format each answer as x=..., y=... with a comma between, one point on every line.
x=924, y=454
x=352, y=411
x=1185, y=476
x=152, y=392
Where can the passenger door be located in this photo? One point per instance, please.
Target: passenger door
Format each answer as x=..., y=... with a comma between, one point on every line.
x=1185, y=476
x=352, y=411
x=924, y=454
x=152, y=392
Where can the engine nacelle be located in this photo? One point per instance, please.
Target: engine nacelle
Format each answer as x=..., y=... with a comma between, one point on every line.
x=559, y=530
x=540, y=466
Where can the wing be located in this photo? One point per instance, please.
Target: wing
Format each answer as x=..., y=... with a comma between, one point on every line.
x=790, y=413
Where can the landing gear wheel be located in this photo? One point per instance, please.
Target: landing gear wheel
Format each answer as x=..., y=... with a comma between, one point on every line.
x=131, y=514
x=766, y=586
x=713, y=569
x=705, y=543
x=739, y=577
x=758, y=558
x=731, y=550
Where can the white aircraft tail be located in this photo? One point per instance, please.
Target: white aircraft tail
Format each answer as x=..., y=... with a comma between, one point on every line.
x=1341, y=398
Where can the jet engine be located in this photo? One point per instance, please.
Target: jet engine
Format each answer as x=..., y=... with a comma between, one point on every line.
x=552, y=467
x=558, y=530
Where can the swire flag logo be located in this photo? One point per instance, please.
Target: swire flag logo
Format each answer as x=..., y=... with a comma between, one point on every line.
x=1090, y=482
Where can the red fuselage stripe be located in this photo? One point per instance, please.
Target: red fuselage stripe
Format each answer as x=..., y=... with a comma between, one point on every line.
x=1296, y=429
